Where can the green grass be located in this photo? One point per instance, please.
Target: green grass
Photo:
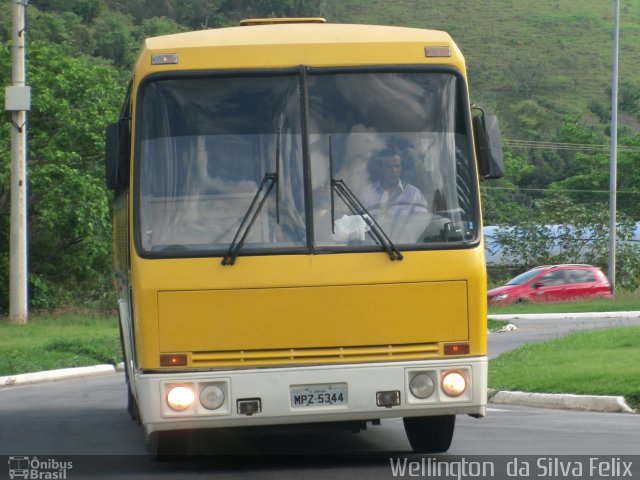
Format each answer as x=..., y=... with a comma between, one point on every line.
x=58, y=341
x=495, y=325
x=554, y=52
x=621, y=303
x=601, y=362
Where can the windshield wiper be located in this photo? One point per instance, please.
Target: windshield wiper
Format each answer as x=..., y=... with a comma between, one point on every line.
x=357, y=208
x=267, y=184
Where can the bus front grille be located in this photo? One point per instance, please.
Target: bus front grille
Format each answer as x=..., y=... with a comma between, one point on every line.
x=306, y=356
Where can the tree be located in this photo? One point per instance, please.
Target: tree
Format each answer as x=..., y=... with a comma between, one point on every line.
x=629, y=97
x=155, y=26
x=73, y=99
x=587, y=179
x=502, y=201
x=114, y=38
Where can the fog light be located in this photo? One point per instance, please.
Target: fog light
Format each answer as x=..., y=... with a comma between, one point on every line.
x=249, y=406
x=180, y=397
x=422, y=386
x=454, y=383
x=388, y=399
x=212, y=397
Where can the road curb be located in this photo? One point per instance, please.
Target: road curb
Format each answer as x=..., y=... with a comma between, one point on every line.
x=541, y=316
x=55, y=375
x=590, y=403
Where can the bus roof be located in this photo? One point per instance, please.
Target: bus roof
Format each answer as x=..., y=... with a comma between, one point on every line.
x=295, y=33
x=290, y=44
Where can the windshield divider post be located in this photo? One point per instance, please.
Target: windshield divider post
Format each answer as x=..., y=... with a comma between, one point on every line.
x=306, y=160
x=277, y=176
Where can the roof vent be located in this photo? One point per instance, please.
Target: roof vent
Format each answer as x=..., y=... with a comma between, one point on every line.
x=273, y=21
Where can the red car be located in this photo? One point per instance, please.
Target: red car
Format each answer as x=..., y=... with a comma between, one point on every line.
x=556, y=283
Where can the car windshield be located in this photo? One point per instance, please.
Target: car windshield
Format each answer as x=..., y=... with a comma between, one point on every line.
x=397, y=141
x=524, y=277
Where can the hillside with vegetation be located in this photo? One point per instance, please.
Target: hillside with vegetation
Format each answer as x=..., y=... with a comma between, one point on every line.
x=543, y=67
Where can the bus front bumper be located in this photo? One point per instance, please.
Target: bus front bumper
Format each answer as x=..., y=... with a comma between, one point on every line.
x=311, y=394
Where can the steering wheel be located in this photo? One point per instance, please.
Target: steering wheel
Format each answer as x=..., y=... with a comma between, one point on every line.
x=387, y=206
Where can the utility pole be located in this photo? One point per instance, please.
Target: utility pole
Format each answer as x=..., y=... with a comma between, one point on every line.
x=18, y=102
x=613, y=163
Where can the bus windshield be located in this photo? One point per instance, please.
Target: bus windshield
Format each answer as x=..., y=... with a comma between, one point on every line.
x=398, y=141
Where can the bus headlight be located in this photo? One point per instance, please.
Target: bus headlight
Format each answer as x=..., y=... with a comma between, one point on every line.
x=180, y=397
x=212, y=397
x=422, y=385
x=453, y=383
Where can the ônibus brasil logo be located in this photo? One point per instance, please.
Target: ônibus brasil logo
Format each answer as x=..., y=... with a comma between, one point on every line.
x=38, y=469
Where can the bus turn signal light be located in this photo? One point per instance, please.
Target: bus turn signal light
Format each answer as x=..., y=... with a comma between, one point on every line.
x=457, y=349
x=173, y=360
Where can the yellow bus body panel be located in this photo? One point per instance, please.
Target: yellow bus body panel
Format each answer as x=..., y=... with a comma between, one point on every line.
x=312, y=317
x=268, y=310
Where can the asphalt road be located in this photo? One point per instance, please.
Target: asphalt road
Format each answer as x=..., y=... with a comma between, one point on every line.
x=534, y=329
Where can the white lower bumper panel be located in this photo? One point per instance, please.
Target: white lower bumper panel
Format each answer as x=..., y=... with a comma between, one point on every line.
x=327, y=393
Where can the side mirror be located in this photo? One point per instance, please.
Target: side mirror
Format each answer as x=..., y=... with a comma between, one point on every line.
x=488, y=146
x=116, y=155
x=538, y=284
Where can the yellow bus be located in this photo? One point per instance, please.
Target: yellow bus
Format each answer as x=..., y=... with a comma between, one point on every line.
x=297, y=230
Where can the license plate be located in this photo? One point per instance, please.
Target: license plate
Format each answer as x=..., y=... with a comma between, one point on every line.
x=323, y=395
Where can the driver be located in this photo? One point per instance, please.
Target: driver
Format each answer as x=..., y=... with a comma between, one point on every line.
x=386, y=192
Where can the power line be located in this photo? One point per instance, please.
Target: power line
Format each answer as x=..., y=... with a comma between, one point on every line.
x=586, y=147
x=556, y=190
